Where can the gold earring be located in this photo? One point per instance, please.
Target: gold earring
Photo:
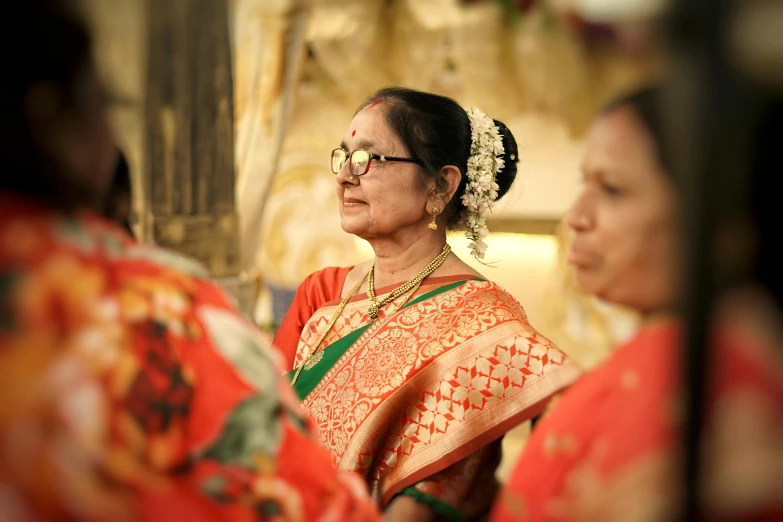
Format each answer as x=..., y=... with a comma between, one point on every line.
x=433, y=225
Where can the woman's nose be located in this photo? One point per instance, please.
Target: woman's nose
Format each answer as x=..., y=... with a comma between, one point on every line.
x=344, y=175
x=579, y=217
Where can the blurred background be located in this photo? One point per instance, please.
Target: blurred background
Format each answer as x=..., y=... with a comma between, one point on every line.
x=227, y=111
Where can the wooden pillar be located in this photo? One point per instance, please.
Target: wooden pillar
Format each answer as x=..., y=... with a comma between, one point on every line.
x=189, y=136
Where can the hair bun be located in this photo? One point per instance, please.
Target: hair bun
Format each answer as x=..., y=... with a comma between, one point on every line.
x=511, y=157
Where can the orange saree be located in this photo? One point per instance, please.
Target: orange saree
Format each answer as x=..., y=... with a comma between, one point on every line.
x=607, y=451
x=132, y=390
x=418, y=400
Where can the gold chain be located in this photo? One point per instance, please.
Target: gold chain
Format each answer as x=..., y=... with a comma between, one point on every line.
x=375, y=307
x=411, y=286
x=316, y=353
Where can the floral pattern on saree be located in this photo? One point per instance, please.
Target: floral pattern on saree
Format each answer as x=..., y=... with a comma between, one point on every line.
x=133, y=391
x=452, y=371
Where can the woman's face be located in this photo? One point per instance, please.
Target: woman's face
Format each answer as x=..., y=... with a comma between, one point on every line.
x=390, y=199
x=624, y=220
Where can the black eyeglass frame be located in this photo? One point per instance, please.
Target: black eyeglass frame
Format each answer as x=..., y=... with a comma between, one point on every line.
x=372, y=156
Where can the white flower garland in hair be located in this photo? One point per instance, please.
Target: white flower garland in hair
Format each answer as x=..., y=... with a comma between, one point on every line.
x=481, y=190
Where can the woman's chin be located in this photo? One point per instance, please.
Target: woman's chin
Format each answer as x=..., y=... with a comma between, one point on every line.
x=587, y=283
x=353, y=225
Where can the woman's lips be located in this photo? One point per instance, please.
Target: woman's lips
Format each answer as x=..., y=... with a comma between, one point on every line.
x=351, y=202
x=582, y=258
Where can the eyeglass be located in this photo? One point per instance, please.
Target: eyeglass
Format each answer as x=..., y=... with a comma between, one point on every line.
x=361, y=160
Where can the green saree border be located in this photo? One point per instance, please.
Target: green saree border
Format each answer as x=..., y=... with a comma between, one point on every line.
x=438, y=507
x=309, y=379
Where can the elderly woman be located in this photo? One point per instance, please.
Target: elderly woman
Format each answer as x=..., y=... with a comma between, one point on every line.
x=131, y=388
x=608, y=450
x=414, y=365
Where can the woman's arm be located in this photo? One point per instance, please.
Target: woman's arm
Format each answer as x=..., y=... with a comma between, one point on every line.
x=406, y=508
x=463, y=491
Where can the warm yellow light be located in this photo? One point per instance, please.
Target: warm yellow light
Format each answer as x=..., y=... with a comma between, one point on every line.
x=520, y=263
x=506, y=250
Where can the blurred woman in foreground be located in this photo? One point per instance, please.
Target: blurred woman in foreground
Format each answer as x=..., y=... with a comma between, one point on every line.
x=608, y=451
x=131, y=388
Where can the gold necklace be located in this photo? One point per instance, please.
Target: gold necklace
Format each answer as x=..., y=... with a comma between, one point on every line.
x=411, y=286
x=375, y=306
x=317, y=354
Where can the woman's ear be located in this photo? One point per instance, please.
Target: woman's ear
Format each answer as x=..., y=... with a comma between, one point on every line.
x=450, y=177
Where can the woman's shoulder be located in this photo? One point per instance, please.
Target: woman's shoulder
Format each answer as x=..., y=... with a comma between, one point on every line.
x=485, y=289
x=328, y=272
x=327, y=279
x=321, y=286
x=740, y=360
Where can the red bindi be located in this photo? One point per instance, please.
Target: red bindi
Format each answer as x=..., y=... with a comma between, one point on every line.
x=353, y=134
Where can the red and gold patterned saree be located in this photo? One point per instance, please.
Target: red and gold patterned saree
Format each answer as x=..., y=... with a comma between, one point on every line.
x=418, y=400
x=609, y=449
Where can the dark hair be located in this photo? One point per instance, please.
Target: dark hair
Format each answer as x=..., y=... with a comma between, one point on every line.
x=764, y=195
x=120, y=190
x=436, y=130
x=58, y=54
x=646, y=104
x=121, y=182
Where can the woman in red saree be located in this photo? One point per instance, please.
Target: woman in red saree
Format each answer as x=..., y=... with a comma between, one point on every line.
x=412, y=385
x=608, y=450
x=131, y=388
